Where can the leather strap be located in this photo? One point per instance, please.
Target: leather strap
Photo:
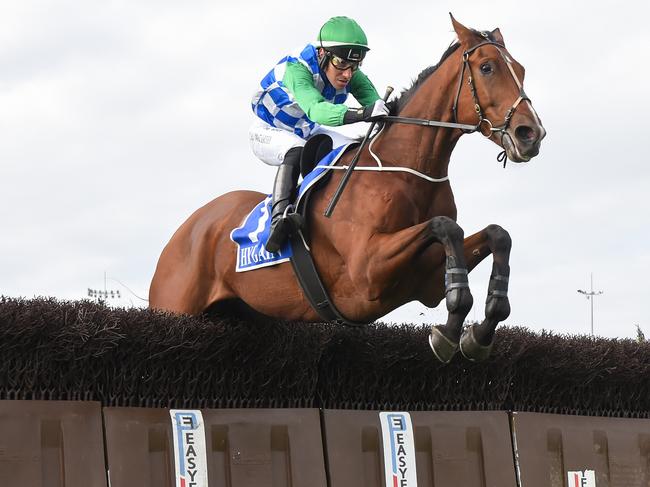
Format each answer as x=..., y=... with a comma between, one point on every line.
x=428, y=123
x=311, y=283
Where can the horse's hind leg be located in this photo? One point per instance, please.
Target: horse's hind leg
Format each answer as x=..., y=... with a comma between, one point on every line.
x=476, y=342
x=444, y=338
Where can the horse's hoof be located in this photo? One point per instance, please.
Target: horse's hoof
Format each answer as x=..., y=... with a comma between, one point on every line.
x=443, y=348
x=471, y=349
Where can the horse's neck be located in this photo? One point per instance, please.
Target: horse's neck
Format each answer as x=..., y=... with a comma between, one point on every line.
x=425, y=149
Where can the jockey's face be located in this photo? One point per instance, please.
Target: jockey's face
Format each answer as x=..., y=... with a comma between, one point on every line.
x=337, y=77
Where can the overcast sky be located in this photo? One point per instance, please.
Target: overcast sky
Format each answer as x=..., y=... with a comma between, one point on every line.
x=118, y=119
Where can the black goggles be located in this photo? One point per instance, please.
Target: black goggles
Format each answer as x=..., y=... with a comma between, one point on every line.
x=343, y=64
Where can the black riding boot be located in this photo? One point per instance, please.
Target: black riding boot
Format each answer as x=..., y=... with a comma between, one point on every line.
x=283, y=190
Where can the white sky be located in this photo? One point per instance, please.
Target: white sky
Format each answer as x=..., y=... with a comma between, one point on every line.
x=118, y=119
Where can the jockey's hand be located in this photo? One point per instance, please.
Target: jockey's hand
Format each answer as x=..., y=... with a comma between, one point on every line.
x=370, y=113
x=376, y=111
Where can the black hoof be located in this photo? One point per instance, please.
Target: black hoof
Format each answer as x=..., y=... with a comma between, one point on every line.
x=443, y=348
x=471, y=349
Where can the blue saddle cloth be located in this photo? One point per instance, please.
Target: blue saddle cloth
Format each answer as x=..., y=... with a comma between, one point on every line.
x=252, y=234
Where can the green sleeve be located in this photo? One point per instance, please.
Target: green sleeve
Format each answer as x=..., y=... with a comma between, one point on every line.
x=299, y=81
x=363, y=89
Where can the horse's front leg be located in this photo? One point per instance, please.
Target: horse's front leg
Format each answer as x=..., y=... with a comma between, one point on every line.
x=476, y=341
x=444, y=339
x=393, y=268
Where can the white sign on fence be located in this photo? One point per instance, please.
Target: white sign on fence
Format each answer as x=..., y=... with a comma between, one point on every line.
x=399, y=449
x=189, y=448
x=582, y=479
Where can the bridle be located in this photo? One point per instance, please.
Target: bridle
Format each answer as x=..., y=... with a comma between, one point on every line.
x=482, y=120
x=470, y=80
x=466, y=128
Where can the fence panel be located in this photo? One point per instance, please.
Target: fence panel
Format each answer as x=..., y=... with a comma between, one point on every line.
x=51, y=444
x=556, y=450
x=450, y=448
x=242, y=448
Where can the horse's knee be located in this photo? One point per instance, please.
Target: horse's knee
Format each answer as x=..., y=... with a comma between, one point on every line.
x=444, y=227
x=499, y=238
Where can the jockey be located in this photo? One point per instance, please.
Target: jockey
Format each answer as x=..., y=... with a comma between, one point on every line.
x=302, y=93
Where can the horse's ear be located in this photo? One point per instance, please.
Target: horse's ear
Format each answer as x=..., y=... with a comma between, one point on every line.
x=466, y=37
x=496, y=35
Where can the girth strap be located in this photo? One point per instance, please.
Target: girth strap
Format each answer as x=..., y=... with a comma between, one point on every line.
x=311, y=283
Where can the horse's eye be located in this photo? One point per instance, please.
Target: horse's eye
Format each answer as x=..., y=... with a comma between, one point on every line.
x=486, y=68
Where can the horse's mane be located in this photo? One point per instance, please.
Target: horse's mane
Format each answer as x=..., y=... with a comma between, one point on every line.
x=396, y=105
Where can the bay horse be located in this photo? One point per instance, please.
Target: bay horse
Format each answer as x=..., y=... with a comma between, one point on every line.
x=393, y=237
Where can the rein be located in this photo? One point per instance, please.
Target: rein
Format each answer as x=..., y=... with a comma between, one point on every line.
x=381, y=168
x=430, y=123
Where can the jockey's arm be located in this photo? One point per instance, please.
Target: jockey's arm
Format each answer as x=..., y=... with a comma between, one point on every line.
x=362, y=89
x=299, y=81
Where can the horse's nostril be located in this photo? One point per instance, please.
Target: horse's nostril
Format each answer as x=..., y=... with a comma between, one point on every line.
x=526, y=134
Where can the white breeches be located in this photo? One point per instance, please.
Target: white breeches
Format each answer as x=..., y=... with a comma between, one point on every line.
x=270, y=144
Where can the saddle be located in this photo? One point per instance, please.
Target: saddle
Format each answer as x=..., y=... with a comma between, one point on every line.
x=314, y=150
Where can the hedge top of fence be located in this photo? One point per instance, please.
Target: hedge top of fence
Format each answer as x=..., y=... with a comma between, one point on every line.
x=81, y=350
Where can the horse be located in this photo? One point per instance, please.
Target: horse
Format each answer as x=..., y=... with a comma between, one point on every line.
x=393, y=238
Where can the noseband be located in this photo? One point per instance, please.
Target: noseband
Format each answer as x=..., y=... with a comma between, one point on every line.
x=482, y=120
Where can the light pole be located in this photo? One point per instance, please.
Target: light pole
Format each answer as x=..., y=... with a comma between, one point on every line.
x=128, y=289
x=112, y=294
x=105, y=294
x=590, y=296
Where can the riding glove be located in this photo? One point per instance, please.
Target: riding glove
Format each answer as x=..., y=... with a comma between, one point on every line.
x=370, y=113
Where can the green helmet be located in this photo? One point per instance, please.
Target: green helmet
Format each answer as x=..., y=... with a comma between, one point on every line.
x=343, y=37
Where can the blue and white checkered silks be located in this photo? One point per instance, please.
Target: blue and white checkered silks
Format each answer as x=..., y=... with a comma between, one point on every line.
x=253, y=233
x=276, y=105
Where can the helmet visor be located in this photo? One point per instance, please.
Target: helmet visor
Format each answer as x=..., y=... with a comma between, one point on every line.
x=348, y=53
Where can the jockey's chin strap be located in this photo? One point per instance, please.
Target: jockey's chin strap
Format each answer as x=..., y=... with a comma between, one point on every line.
x=482, y=120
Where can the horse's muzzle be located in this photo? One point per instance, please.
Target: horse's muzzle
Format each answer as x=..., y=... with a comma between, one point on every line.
x=522, y=142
